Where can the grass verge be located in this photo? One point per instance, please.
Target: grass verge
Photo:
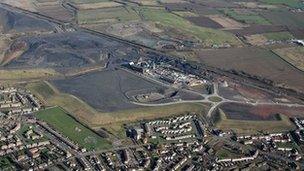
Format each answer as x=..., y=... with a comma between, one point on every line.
x=17, y=74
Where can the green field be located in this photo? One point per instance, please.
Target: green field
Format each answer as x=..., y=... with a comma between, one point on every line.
x=71, y=128
x=215, y=99
x=18, y=74
x=224, y=153
x=206, y=35
x=251, y=127
x=289, y=3
x=277, y=36
x=286, y=145
x=248, y=18
x=185, y=14
x=103, y=15
x=43, y=90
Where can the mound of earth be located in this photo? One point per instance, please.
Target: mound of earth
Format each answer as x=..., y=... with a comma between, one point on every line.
x=70, y=50
x=105, y=90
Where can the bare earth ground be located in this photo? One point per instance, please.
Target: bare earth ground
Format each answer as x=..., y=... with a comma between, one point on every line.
x=226, y=22
x=245, y=121
x=255, y=61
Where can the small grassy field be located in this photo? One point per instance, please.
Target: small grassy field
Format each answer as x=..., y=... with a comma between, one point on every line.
x=287, y=145
x=71, y=128
x=251, y=127
x=215, y=99
x=248, y=18
x=185, y=13
x=224, y=153
x=97, y=5
x=278, y=36
x=42, y=89
x=102, y=15
x=262, y=39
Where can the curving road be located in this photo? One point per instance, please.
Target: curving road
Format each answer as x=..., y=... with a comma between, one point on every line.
x=214, y=104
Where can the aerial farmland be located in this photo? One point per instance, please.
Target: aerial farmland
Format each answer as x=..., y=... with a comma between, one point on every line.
x=151, y=85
